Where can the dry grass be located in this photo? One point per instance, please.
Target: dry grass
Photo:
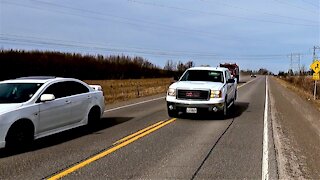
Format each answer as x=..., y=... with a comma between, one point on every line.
x=122, y=90
x=302, y=85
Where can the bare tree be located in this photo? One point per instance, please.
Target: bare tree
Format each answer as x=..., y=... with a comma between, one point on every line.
x=169, y=66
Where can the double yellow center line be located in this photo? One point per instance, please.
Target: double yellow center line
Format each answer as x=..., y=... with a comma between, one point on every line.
x=117, y=145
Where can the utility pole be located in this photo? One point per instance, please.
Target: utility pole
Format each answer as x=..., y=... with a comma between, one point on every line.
x=314, y=52
x=291, y=65
x=315, y=57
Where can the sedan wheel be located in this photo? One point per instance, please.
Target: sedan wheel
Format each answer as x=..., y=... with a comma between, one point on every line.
x=19, y=137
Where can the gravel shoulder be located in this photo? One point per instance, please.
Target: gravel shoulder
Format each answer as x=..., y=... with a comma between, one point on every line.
x=296, y=127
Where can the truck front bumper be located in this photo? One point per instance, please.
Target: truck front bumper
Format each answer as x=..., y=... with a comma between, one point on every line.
x=182, y=107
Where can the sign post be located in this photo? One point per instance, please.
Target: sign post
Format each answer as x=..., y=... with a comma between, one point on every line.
x=315, y=66
x=315, y=90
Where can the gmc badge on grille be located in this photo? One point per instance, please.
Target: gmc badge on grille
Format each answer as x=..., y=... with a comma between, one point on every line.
x=192, y=94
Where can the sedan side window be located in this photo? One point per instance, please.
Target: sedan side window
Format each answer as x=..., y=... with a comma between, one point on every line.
x=64, y=89
x=59, y=90
x=75, y=88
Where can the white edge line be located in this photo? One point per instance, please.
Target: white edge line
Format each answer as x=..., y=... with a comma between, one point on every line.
x=265, y=152
x=142, y=102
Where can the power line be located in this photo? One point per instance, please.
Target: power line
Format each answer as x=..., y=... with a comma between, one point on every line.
x=125, y=20
x=291, y=5
x=217, y=14
x=310, y=3
x=46, y=42
x=172, y=7
x=260, y=12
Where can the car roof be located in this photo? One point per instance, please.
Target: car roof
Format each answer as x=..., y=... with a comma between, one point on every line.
x=37, y=77
x=32, y=79
x=209, y=68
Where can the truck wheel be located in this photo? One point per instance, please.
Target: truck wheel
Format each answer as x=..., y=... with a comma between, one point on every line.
x=233, y=101
x=172, y=113
x=225, y=109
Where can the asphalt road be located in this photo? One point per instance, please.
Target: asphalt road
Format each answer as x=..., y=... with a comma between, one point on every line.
x=204, y=147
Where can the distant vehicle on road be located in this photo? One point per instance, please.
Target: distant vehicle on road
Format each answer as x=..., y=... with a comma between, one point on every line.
x=233, y=68
x=35, y=107
x=253, y=75
x=200, y=89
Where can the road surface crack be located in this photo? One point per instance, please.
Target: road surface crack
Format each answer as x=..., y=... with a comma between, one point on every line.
x=212, y=148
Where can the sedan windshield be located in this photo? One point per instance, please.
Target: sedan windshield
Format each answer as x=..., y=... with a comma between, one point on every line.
x=17, y=92
x=201, y=75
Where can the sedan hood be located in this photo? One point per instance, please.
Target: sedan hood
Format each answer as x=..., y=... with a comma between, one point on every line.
x=197, y=85
x=9, y=107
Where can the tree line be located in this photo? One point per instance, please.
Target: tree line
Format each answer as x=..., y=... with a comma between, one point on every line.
x=20, y=63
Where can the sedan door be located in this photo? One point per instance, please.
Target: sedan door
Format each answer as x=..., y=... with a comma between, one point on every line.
x=57, y=113
x=81, y=99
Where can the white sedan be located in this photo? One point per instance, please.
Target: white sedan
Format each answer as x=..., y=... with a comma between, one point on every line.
x=35, y=107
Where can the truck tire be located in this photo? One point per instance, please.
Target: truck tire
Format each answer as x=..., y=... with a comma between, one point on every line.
x=224, y=112
x=172, y=113
x=234, y=101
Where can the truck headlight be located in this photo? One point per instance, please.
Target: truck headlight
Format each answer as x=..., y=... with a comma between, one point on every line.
x=171, y=92
x=215, y=94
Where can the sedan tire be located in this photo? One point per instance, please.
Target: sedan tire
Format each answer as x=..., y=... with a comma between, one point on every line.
x=20, y=136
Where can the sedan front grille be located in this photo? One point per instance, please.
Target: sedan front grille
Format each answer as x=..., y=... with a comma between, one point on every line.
x=193, y=94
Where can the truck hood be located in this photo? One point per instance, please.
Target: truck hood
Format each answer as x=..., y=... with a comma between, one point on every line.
x=9, y=107
x=197, y=85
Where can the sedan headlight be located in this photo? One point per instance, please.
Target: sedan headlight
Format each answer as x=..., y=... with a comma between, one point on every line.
x=171, y=92
x=215, y=94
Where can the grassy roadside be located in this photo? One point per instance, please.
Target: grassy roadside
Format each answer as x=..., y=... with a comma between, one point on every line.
x=303, y=86
x=122, y=90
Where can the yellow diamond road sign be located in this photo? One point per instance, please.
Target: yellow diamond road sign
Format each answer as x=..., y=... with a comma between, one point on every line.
x=315, y=66
x=316, y=76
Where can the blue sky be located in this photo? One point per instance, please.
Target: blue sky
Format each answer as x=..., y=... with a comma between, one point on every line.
x=254, y=34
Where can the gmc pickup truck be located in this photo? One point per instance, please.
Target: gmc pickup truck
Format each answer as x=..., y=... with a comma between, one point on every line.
x=202, y=89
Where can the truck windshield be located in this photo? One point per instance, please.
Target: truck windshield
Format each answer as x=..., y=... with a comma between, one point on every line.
x=17, y=92
x=203, y=75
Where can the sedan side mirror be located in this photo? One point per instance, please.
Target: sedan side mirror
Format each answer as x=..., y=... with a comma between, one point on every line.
x=176, y=78
x=230, y=81
x=47, y=97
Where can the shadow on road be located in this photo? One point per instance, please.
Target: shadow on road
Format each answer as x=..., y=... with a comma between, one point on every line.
x=68, y=135
x=234, y=112
x=241, y=82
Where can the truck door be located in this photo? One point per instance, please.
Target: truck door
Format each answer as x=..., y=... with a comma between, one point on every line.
x=230, y=88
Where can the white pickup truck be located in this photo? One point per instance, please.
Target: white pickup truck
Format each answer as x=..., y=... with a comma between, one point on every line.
x=202, y=89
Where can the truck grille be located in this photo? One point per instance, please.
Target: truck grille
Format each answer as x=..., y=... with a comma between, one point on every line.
x=193, y=94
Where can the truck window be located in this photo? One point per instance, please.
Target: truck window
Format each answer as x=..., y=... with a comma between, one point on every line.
x=203, y=75
x=228, y=76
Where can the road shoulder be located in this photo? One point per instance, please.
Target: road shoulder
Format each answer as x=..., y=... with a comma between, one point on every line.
x=296, y=129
